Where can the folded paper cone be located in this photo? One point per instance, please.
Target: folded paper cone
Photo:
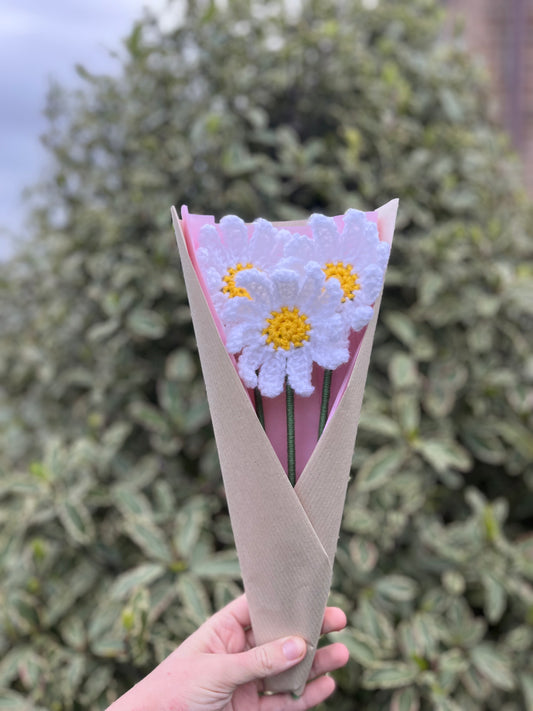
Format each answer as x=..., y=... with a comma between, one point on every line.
x=285, y=537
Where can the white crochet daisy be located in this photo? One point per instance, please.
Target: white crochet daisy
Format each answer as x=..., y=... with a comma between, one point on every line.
x=223, y=253
x=355, y=258
x=289, y=322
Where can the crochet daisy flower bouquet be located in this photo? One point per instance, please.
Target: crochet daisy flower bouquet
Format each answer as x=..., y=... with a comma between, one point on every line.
x=284, y=316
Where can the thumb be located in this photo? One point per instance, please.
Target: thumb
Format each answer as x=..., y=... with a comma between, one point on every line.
x=265, y=660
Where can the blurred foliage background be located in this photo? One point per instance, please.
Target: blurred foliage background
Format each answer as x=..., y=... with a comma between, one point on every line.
x=114, y=536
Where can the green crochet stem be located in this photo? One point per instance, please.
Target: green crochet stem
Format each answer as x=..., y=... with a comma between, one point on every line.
x=324, y=406
x=258, y=400
x=291, y=454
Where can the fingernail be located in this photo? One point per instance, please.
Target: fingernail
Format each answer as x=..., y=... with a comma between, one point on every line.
x=294, y=647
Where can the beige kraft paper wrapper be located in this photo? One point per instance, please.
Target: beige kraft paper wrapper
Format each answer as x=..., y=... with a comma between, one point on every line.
x=285, y=537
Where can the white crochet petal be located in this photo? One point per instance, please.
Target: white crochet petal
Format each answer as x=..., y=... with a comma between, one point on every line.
x=220, y=302
x=331, y=354
x=299, y=248
x=212, y=279
x=211, y=261
x=240, y=335
x=285, y=283
x=235, y=237
x=312, y=287
x=249, y=361
x=264, y=248
x=257, y=284
x=383, y=253
x=360, y=239
x=328, y=329
x=358, y=316
x=355, y=221
x=253, y=356
x=371, y=283
x=272, y=372
x=242, y=309
x=293, y=263
x=209, y=238
x=299, y=369
x=330, y=300
x=326, y=236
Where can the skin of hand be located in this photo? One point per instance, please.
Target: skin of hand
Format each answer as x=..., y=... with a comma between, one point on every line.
x=218, y=668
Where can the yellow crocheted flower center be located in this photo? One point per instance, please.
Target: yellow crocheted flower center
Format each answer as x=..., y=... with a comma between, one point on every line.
x=287, y=328
x=231, y=289
x=345, y=275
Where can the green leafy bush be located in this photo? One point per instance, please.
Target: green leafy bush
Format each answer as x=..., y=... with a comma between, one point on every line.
x=114, y=540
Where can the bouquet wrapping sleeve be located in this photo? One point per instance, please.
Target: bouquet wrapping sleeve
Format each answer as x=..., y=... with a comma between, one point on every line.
x=285, y=537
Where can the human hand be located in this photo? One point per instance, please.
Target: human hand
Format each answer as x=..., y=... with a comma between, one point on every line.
x=218, y=668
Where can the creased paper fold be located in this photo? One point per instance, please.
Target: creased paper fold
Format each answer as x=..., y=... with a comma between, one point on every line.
x=285, y=538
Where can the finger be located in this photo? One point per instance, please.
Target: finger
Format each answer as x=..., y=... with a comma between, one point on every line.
x=260, y=662
x=250, y=639
x=238, y=609
x=329, y=658
x=334, y=617
x=334, y=620
x=315, y=692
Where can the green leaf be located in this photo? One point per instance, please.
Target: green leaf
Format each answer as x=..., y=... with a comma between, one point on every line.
x=97, y=683
x=194, y=598
x=441, y=703
x=483, y=441
x=405, y=700
x=379, y=468
x=109, y=647
x=22, y=611
x=146, y=323
x=380, y=424
x=360, y=646
x=74, y=673
x=103, y=330
x=77, y=521
x=73, y=632
x=142, y=575
x=493, y=665
x=150, y=417
x=397, y=587
x=444, y=454
x=10, y=664
x=150, y=539
x=526, y=684
x=375, y=624
x=519, y=639
x=189, y=523
x=495, y=598
x=389, y=675
x=11, y=701
x=130, y=502
x=403, y=371
x=180, y=366
x=519, y=437
x=401, y=326
x=478, y=686
x=452, y=663
x=407, y=408
x=419, y=636
x=363, y=553
x=30, y=670
x=445, y=380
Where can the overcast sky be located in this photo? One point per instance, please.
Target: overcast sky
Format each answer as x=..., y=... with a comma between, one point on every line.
x=40, y=40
